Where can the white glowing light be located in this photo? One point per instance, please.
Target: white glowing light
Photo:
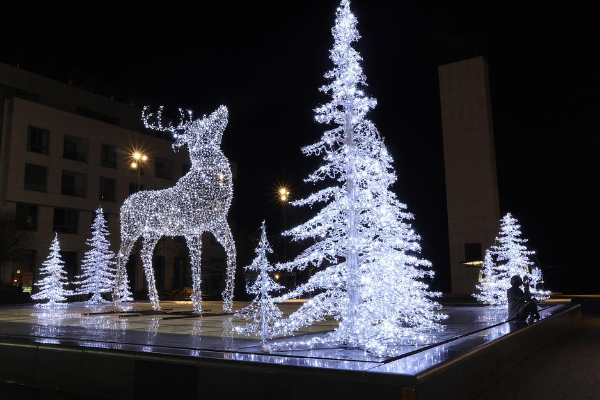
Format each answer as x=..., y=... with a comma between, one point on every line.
x=502, y=261
x=262, y=311
x=97, y=268
x=366, y=252
x=198, y=203
x=52, y=286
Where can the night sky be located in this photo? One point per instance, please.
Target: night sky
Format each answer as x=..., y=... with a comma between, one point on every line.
x=265, y=61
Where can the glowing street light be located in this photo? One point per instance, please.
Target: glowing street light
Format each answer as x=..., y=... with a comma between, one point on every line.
x=284, y=194
x=138, y=160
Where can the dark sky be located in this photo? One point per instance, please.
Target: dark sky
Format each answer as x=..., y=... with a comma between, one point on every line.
x=265, y=61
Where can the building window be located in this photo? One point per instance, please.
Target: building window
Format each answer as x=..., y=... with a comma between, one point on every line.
x=107, y=189
x=108, y=156
x=37, y=140
x=22, y=94
x=162, y=168
x=75, y=148
x=24, y=269
x=66, y=220
x=26, y=216
x=73, y=184
x=35, y=177
x=133, y=187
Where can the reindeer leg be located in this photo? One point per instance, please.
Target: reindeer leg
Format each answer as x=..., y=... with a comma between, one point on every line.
x=223, y=235
x=121, y=272
x=147, y=250
x=194, y=243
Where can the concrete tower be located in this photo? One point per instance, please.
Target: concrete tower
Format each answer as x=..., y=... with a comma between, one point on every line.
x=469, y=156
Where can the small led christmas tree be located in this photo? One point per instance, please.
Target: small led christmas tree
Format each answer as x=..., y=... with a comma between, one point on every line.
x=52, y=286
x=507, y=258
x=262, y=311
x=366, y=252
x=97, y=271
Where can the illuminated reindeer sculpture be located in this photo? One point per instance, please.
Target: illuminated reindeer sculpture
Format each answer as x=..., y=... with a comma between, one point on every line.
x=198, y=203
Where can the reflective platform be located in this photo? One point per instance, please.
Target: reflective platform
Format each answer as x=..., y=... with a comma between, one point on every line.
x=135, y=352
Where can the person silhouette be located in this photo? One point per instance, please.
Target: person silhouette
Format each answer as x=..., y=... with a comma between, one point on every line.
x=520, y=303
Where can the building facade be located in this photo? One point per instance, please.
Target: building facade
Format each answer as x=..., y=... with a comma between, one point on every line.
x=470, y=165
x=64, y=152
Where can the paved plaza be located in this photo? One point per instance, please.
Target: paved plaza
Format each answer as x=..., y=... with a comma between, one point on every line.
x=176, y=330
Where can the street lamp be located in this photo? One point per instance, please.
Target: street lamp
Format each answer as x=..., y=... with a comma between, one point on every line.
x=284, y=196
x=138, y=160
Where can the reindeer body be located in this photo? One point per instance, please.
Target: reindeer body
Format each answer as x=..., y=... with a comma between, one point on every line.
x=198, y=203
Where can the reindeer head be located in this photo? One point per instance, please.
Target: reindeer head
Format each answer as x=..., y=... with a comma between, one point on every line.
x=204, y=132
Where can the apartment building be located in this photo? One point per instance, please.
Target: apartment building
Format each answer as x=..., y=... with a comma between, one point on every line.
x=64, y=152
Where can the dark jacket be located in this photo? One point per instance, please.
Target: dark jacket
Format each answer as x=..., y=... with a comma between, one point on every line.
x=516, y=300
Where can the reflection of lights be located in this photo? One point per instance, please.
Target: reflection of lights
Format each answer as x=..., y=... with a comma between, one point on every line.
x=48, y=341
x=496, y=332
x=305, y=362
x=95, y=345
x=415, y=363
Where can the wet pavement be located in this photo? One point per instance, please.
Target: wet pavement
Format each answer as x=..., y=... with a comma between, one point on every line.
x=177, y=331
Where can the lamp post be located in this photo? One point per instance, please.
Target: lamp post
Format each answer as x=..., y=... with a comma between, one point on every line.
x=138, y=160
x=284, y=195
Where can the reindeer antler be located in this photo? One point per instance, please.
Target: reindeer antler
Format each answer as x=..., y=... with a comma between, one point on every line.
x=184, y=126
x=184, y=123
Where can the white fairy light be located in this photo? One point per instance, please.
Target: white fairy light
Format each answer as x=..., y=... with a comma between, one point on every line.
x=52, y=286
x=97, y=268
x=502, y=261
x=198, y=203
x=370, y=275
x=262, y=312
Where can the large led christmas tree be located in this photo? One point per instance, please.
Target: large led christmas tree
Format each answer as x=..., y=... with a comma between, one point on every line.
x=52, y=286
x=97, y=271
x=262, y=312
x=508, y=257
x=370, y=274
